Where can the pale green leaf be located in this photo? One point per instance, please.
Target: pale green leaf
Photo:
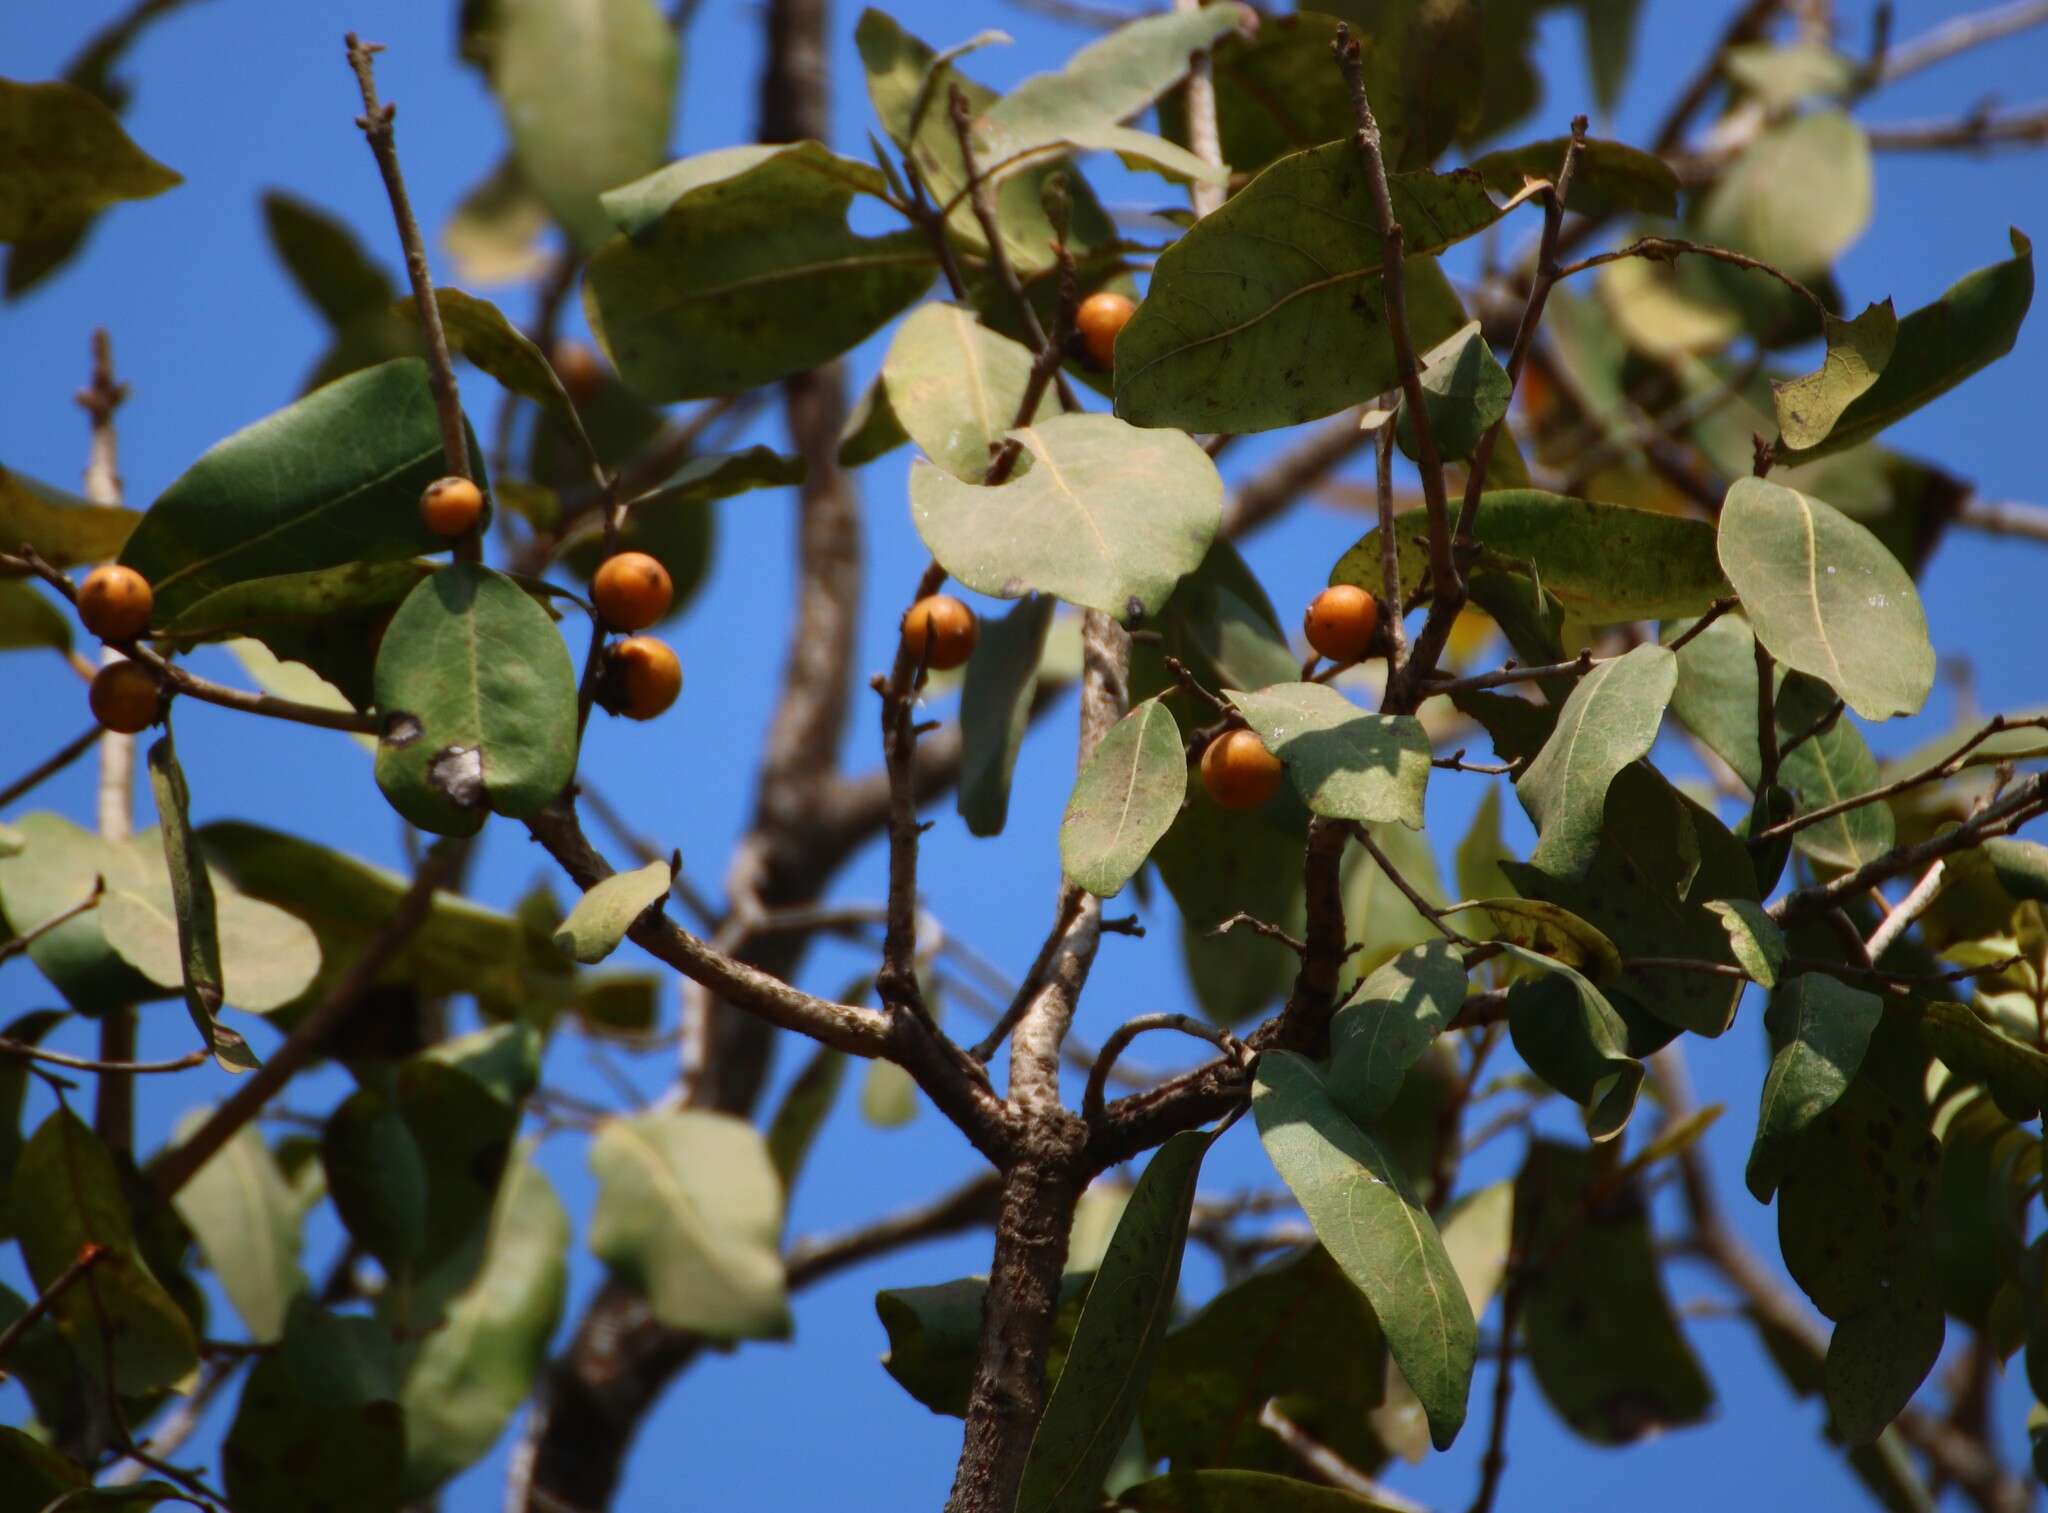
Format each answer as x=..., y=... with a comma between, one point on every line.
x=1126, y=796
x=603, y=915
x=1346, y=763
x=1610, y=721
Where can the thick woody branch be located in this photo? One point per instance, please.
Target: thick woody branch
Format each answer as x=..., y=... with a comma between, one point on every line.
x=1105, y=1061
x=1940, y=43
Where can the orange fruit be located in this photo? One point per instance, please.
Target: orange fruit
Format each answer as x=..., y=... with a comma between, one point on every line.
x=451, y=507
x=1099, y=319
x=1238, y=771
x=115, y=603
x=646, y=677
x=631, y=590
x=940, y=630
x=125, y=697
x=1342, y=622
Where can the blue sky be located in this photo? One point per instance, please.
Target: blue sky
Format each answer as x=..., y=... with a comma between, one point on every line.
x=246, y=95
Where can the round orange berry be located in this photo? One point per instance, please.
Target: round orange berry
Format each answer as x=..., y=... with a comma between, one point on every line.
x=646, y=677
x=579, y=370
x=1342, y=622
x=115, y=603
x=631, y=590
x=125, y=697
x=451, y=507
x=940, y=631
x=1238, y=771
x=1099, y=319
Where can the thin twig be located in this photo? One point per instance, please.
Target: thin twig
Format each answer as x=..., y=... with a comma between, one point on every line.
x=90, y=1255
x=1393, y=287
x=1259, y=927
x=1947, y=767
x=375, y=122
x=1940, y=43
x=1328, y=1465
x=1668, y=248
x=1911, y=907
x=29, y=937
x=50, y=766
x=22, y=1051
x=310, y=1037
x=968, y=1206
x=1423, y=906
x=1131, y=1029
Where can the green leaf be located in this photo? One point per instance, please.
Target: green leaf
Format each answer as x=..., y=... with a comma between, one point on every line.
x=29, y=619
x=1216, y=862
x=954, y=386
x=902, y=72
x=319, y=1412
x=26, y=1029
x=1295, y=1330
x=995, y=708
x=1971, y=326
x=1128, y=793
x=1391, y=1020
x=1610, y=177
x=1464, y=390
x=1716, y=700
x=461, y=947
x=269, y=958
x=1661, y=858
x=1855, y=1223
x=1858, y=351
x=333, y=479
x=1346, y=764
x=1609, y=722
x=1269, y=312
x=675, y=523
x=56, y=869
x=493, y=235
x=67, y=159
x=477, y=330
x=66, y=531
x=1970, y=1043
x=1106, y=517
x=1573, y=1038
x=1378, y=916
x=1276, y=92
x=1365, y=1212
x=1104, y=83
x=67, y=1194
x=1482, y=850
x=737, y=268
x=2020, y=866
x=1597, y=1324
x=1548, y=930
x=1783, y=76
x=246, y=1219
x=473, y=1373
x=1095, y=1401
x=1243, y=1492
x=480, y=703
x=689, y=1211
x=1754, y=937
x=1605, y=563
x=1826, y=598
x=377, y=1177
x=1220, y=622
x=802, y=1113
x=198, y=919
x=1798, y=195
x=603, y=915
x=325, y=259
x=588, y=90
x=1820, y=1029
x=872, y=429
